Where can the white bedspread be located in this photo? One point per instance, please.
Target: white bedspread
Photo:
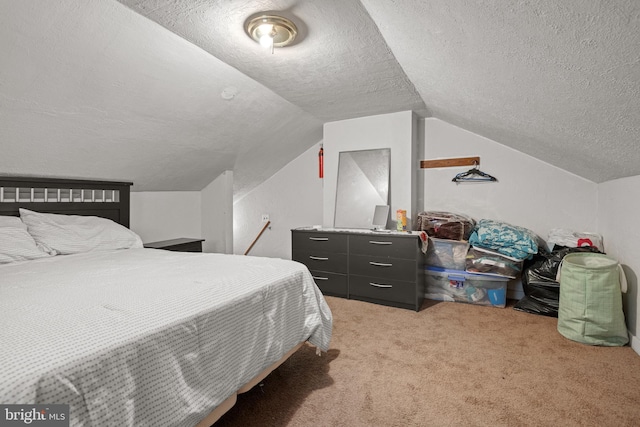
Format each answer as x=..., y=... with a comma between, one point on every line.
x=143, y=337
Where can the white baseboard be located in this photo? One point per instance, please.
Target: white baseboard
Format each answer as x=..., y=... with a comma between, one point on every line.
x=634, y=342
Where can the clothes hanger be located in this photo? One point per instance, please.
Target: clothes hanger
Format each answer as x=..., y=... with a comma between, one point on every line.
x=473, y=175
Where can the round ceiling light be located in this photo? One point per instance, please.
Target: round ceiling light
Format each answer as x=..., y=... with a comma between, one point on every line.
x=271, y=30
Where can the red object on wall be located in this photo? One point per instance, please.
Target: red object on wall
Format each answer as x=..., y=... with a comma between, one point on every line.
x=321, y=163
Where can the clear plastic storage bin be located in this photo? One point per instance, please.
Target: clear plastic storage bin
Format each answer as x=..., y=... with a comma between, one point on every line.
x=480, y=260
x=449, y=254
x=460, y=286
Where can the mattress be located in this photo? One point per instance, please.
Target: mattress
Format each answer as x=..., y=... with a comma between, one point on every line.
x=145, y=337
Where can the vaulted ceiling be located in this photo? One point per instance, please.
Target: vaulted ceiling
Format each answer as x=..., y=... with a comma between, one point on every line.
x=132, y=90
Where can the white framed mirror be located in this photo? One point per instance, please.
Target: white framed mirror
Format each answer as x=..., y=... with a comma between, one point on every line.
x=363, y=183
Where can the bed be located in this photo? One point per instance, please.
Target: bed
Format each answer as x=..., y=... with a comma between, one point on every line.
x=136, y=336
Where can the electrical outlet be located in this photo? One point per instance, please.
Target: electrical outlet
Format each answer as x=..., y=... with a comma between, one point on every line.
x=265, y=217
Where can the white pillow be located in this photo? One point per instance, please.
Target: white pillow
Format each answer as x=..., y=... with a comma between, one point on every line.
x=16, y=244
x=71, y=234
x=11, y=221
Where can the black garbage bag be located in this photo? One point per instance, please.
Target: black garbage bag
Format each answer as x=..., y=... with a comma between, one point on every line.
x=542, y=295
x=533, y=306
x=540, y=287
x=546, y=264
x=542, y=292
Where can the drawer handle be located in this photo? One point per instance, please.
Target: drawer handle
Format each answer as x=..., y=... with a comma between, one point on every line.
x=375, y=242
x=378, y=285
x=320, y=278
x=318, y=258
x=380, y=264
x=319, y=239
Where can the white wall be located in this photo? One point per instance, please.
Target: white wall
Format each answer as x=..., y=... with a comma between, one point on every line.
x=292, y=198
x=164, y=215
x=217, y=214
x=529, y=193
x=206, y=214
x=618, y=207
x=395, y=131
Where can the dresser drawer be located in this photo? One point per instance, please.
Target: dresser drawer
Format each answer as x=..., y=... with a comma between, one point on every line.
x=382, y=290
x=384, y=245
x=397, y=269
x=313, y=241
x=322, y=261
x=331, y=283
x=383, y=268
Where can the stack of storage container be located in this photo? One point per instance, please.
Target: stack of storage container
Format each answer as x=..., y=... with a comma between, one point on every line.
x=457, y=271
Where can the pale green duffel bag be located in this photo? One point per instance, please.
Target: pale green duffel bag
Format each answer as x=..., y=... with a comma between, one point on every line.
x=590, y=307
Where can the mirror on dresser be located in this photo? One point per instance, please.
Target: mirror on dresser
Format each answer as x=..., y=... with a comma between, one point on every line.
x=363, y=183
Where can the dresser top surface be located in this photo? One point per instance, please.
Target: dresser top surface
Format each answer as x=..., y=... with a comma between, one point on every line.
x=393, y=233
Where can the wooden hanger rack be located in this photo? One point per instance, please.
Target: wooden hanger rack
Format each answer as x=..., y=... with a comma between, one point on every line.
x=472, y=175
x=446, y=163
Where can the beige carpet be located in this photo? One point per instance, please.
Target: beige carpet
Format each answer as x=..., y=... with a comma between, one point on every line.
x=450, y=364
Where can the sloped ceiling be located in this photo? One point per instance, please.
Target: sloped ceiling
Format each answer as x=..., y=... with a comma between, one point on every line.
x=131, y=90
x=559, y=80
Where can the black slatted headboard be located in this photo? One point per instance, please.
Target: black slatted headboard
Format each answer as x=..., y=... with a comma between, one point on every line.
x=106, y=199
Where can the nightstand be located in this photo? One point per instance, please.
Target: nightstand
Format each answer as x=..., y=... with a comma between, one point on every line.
x=179, y=245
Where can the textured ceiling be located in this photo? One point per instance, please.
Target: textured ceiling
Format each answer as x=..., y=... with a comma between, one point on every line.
x=559, y=80
x=131, y=90
x=92, y=89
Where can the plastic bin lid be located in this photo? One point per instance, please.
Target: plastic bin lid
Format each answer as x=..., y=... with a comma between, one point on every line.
x=440, y=239
x=461, y=276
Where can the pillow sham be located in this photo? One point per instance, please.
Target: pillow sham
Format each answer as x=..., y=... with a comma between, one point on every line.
x=16, y=244
x=71, y=234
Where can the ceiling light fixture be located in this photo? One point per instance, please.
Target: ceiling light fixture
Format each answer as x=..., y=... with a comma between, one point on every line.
x=271, y=31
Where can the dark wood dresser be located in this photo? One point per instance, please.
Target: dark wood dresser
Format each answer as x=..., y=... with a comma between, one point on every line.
x=179, y=245
x=383, y=268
